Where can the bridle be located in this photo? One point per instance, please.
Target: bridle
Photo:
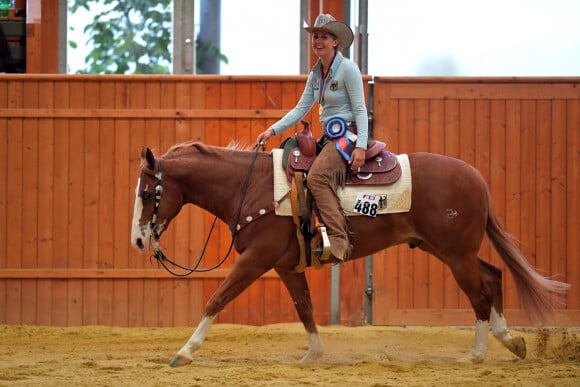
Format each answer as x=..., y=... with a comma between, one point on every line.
x=158, y=253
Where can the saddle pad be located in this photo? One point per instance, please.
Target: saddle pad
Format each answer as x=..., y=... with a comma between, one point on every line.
x=398, y=194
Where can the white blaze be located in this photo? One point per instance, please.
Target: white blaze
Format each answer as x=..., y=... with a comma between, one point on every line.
x=135, y=228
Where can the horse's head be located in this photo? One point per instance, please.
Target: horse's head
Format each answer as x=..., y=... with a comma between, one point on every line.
x=157, y=201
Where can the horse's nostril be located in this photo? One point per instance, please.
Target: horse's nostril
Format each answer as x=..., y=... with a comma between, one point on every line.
x=140, y=243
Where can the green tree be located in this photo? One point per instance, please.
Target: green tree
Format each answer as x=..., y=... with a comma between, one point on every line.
x=133, y=37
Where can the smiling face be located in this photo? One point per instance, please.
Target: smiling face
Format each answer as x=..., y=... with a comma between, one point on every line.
x=323, y=43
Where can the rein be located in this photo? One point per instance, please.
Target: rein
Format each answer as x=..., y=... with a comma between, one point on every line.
x=158, y=253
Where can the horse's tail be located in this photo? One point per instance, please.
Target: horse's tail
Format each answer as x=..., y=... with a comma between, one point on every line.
x=533, y=289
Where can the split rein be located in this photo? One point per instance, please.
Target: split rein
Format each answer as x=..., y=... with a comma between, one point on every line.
x=158, y=253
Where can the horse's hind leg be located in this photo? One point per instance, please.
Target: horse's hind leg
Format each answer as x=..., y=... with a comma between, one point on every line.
x=298, y=288
x=492, y=277
x=483, y=287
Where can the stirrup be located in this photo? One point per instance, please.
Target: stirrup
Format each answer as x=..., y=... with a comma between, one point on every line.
x=324, y=252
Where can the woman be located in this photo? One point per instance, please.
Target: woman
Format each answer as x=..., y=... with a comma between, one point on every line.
x=336, y=84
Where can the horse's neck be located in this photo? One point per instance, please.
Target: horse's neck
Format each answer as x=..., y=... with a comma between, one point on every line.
x=215, y=182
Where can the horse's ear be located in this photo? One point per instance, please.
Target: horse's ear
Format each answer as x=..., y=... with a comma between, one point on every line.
x=148, y=158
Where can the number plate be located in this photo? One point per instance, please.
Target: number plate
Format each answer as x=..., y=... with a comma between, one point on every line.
x=367, y=204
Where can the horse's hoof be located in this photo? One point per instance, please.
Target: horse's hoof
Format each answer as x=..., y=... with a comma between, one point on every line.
x=310, y=357
x=179, y=361
x=473, y=357
x=518, y=347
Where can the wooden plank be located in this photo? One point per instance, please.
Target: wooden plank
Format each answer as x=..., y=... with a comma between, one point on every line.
x=136, y=302
x=120, y=273
x=75, y=186
x=58, y=314
x=485, y=91
x=62, y=165
x=482, y=153
x=14, y=205
x=497, y=171
x=512, y=191
x=465, y=317
x=104, y=300
x=13, y=302
x=126, y=158
x=181, y=302
x=196, y=307
x=528, y=180
x=45, y=204
x=93, y=292
x=121, y=305
x=352, y=305
x=573, y=202
x=112, y=302
x=165, y=302
x=151, y=300
x=74, y=303
x=543, y=142
x=4, y=162
x=225, y=114
x=29, y=204
x=558, y=191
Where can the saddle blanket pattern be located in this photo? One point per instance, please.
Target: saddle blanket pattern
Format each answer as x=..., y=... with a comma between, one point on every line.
x=398, y=194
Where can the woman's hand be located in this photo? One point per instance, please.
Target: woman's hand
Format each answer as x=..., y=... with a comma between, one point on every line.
x=265, y=136
x=357, y=159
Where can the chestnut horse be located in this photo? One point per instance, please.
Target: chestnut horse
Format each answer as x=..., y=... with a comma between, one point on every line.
x=234, y=184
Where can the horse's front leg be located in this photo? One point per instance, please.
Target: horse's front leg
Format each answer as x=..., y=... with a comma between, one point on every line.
x=243, y=273
x=184, y=355
x=298, y=288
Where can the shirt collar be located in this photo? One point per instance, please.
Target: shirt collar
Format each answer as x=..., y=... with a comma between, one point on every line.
x=335, y=64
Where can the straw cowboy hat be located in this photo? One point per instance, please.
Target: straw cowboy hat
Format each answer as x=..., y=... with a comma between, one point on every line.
x=326, y=22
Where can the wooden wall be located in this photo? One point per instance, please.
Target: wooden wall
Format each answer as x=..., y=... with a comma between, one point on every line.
x=524, y=137
x=69, y=149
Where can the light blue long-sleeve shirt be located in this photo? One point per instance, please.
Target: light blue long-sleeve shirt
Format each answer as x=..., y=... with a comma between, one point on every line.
x=343, y=97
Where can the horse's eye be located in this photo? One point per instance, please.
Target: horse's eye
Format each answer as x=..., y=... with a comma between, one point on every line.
x=147, y=195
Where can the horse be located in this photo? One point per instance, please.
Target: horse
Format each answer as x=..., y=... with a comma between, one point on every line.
x=234, y=183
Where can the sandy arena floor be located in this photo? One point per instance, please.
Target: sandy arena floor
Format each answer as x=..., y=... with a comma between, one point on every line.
x=243, y=355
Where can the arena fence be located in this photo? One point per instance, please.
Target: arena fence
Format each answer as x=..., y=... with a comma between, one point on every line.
x=69, y=158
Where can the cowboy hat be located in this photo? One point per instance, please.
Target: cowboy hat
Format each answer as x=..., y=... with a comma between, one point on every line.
x=326, y=22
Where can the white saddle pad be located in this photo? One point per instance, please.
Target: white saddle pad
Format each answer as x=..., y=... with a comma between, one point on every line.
x=398, y=194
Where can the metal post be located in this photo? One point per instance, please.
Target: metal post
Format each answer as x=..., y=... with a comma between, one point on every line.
x=304, y=37
x=183, y=37
x=369, y=290
x=334, y=294
x=362, y=37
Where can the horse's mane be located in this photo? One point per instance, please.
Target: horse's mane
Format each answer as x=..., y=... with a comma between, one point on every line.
x=189, y=147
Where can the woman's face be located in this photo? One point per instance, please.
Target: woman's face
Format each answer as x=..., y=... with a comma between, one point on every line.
x=323, y=43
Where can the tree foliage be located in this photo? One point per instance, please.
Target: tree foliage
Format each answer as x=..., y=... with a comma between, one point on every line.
x=132, y=37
